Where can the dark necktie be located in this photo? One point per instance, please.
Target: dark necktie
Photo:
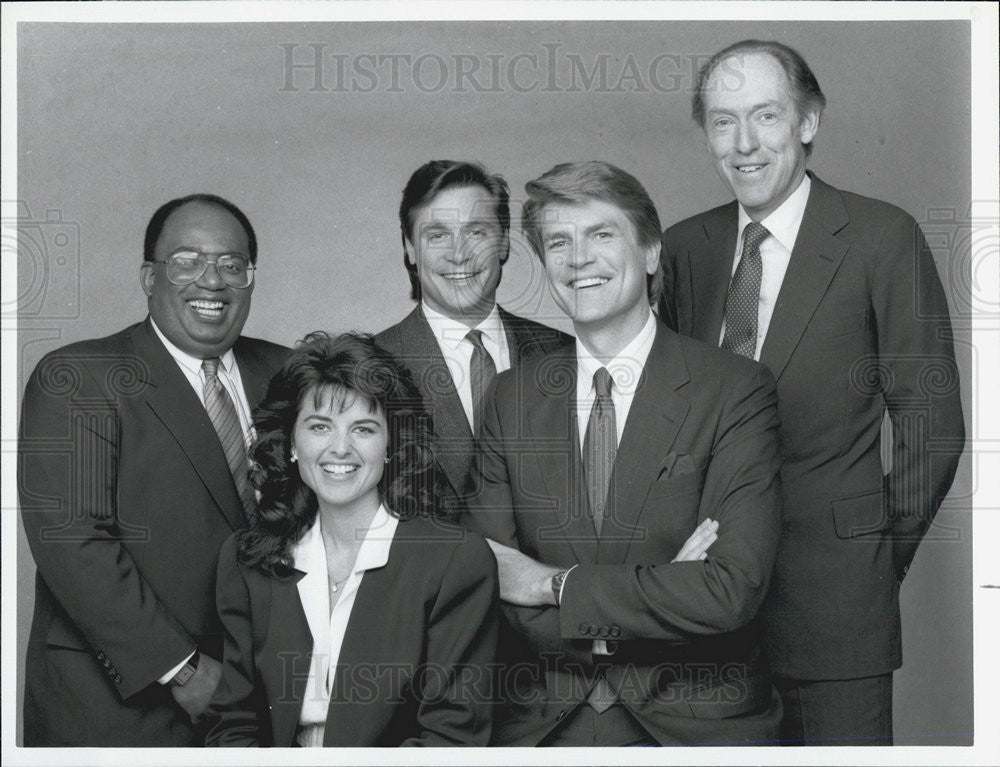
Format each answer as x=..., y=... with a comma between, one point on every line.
x=744, y=294
x=600, y=446
x=482, y=370
x=221, y=411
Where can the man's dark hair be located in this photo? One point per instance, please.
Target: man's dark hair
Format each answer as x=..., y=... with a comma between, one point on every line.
x=432, y=178
x=578, y=182
x=155, y=226
x=806, y=93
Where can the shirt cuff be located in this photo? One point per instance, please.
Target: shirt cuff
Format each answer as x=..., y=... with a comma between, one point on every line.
x=165, y=679
x=563, y=586
x=601, y=647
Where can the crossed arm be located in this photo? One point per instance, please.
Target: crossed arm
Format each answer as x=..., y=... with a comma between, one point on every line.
x=687, y=594
x=528, y=583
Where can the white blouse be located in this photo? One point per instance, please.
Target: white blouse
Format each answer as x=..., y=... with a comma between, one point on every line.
x=328, y=628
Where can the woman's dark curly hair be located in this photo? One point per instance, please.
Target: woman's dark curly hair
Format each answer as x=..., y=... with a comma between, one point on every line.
x=319, y=364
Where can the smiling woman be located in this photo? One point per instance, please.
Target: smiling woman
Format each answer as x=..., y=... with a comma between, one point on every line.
x=347, y=578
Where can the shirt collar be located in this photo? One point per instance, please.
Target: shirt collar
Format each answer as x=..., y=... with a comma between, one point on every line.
x=186, y=361
x=452, y=332
x=784, y=223
x=309, y=554
x=625, y=368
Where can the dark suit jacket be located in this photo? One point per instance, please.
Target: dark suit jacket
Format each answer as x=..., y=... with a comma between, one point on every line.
x=412, y=342
x=861, y=325
x=700, y=441
x=414, y=668
x=126, y=497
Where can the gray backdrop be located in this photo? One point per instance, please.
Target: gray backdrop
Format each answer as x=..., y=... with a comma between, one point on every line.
x=114, y=120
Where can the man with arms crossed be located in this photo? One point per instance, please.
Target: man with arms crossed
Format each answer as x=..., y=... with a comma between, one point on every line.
x=838, y=296
x=132, y=472
x=455, y=222
x=606, y=470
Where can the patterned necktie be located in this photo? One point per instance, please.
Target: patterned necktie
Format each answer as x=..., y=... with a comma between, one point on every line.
x=600, y=446
x=482, y=369
x=221, y=411
x=744, y=295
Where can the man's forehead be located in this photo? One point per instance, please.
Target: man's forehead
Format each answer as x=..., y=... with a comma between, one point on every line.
x=199, y=219
x=745, y=70
x=564, y=211
x=459, y=203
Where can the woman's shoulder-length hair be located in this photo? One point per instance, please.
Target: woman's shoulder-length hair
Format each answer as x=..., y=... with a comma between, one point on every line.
x=347, y=363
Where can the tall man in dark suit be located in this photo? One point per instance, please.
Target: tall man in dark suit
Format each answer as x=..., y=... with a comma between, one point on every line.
x=455, y=223
x=838, y=295
x=606, y=471
x=132, y=472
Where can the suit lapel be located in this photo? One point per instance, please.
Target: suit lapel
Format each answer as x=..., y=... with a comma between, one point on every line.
x=710, y=271
x=254, y=372
x=181, y=412
x=288, y=622
x=815, y=259
x=553, y=419
x=655, y=417
x=518, y=336
x=423, y=358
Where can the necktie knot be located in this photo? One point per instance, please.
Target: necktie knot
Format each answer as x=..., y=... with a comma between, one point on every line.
x=210, y=367
x=602, y=382
x=475, y=337
x=753, y=235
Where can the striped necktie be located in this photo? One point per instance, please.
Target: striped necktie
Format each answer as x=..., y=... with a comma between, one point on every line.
x=222, y=412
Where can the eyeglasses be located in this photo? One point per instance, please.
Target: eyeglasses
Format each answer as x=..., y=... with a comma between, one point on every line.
x=187, y=266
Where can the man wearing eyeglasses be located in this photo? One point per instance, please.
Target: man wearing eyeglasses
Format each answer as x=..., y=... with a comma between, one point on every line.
x=133, y=471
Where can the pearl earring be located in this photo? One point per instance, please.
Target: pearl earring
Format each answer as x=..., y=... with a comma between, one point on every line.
x=294, y=457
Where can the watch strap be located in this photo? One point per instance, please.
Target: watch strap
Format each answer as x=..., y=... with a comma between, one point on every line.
x=187, y=671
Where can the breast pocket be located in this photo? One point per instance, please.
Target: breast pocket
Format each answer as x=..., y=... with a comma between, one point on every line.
x=667, y=487
x=831, y=325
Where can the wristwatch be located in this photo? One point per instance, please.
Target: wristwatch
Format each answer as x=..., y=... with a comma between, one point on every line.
x=557, y=583
x=187, y=671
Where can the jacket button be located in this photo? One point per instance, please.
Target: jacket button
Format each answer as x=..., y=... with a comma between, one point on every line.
x=107, y=663
x=100, y=655
x=594, y=631
x=616, y=631
x=603, y=631
x=583, y=628
x=118, y=679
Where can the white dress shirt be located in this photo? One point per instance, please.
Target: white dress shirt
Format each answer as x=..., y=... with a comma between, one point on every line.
x=625, y=370
x=775, y=253
x=229, y=375
x=457, y=349
x=328, y=628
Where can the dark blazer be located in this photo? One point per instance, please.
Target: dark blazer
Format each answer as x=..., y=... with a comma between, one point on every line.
x=412, y=342
x=414, y=668
x=700, y=441
x=861, y=325
x=126, y=497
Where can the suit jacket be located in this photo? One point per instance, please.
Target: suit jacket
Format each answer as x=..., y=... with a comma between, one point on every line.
x=126, y=497
x=413, y=343
x=700, y=441
x=860, y=327
x=415, y=665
